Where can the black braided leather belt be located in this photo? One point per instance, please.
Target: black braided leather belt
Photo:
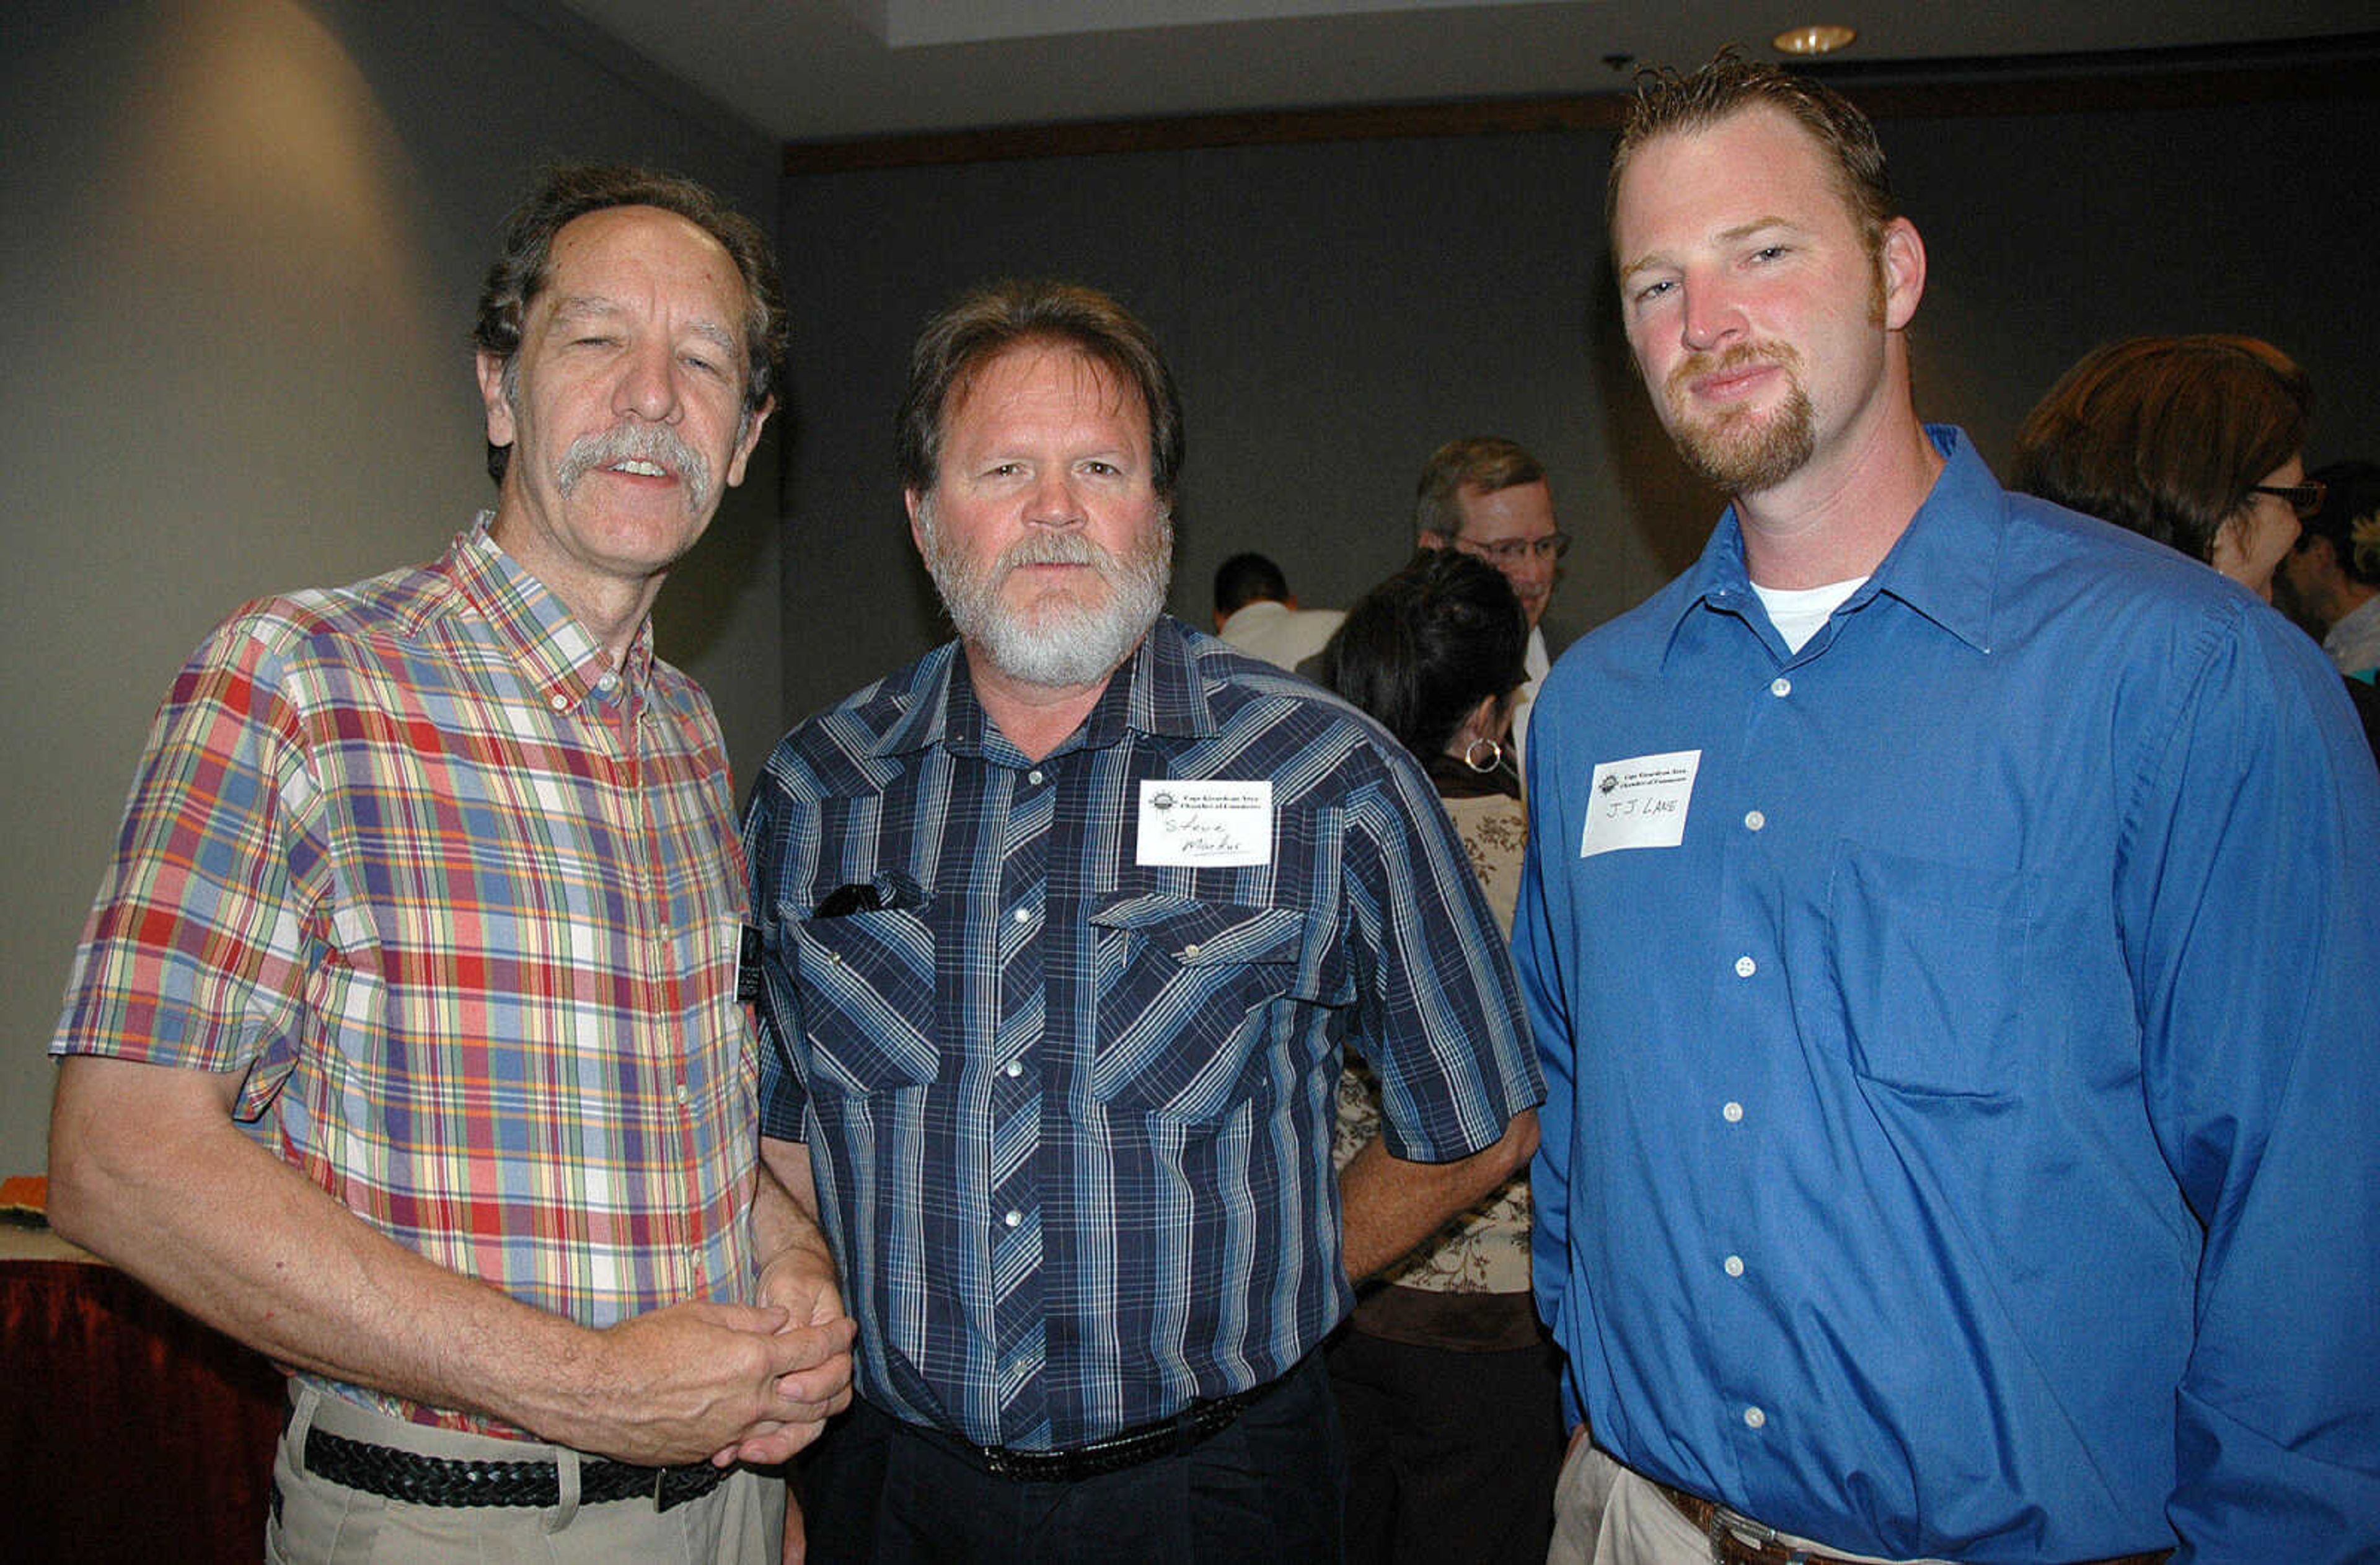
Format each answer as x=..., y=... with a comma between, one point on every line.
x=1167, y=1437
x=436, y=1480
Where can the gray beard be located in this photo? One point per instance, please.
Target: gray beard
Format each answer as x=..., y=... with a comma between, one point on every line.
x=1054, y=643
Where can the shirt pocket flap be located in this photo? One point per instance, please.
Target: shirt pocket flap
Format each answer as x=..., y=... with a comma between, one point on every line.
x=1209, y=933
x=866, y=987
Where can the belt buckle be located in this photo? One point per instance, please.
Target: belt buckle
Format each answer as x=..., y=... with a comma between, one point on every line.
x=1729, y=1525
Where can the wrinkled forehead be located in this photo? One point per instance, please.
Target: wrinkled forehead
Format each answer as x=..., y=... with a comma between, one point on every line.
x=1514, y=510
x=1077, y=366
x=640, y=254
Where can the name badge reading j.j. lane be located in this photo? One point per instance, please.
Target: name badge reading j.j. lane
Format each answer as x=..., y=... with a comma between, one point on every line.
x=1639, y=803
x=1198, y=825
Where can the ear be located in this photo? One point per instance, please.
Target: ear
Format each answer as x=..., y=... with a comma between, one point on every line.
x=1426, y=539
x=752, y=429
x=500, y=429
x=1496, y=717
x=1902, y=257
x=1479, y=723
x=2227, y=550
x=912, y=500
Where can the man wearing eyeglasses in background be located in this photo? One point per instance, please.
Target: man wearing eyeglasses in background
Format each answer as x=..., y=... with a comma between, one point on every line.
x=1488, y=496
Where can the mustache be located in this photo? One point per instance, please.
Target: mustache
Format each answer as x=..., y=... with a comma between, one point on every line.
x=1739, y=355
x=1054, y=548
x=648, y=443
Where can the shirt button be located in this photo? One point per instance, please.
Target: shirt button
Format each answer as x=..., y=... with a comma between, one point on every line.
x=1034, y=775
x=1734, y=1265
x=1190, y=950
x=1746, y=967
x=558, y=703
x=1013, y=1069
x=610, y=681
x=1753, y=1418
x=684, y=1096
x=1780, y=685
x=1732, y=1113
x=1023, y=914
x=1754, y=820
x=1011, y=1218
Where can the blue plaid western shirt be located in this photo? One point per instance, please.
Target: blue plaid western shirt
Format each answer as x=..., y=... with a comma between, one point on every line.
x=1070, y=1111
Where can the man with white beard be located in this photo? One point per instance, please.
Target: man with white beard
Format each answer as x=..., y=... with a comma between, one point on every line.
x=1065, y=928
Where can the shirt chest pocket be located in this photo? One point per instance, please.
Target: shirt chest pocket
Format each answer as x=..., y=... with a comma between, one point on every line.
x=866, y=986
x=1182, y=991
x=1930, y=967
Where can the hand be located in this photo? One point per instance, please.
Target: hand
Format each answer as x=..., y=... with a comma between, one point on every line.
x=681, y=1383
x=799, y=1280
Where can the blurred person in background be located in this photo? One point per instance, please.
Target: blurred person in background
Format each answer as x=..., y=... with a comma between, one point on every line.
x=1448, y=1385
x=2330, y=581
x=2199, y=443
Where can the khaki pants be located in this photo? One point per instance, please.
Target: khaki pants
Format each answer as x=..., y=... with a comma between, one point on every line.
x=741, y=1521
x=1604, y=1514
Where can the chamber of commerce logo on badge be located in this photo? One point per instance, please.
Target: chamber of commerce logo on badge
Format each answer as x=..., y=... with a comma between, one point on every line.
x=1609, y=783
x=1162, y=801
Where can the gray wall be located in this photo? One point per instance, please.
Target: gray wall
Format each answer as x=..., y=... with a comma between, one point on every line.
x=243, y=239
x=1333, y=311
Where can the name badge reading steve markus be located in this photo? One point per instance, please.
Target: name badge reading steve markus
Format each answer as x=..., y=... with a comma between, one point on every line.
x=1216, y=825
x=1639, y=803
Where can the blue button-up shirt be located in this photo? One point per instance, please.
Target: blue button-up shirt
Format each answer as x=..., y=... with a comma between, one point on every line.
x=1953, y=1144
x=1070, y=1110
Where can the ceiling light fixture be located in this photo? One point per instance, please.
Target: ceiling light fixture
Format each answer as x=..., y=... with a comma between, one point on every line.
x=1818, y=38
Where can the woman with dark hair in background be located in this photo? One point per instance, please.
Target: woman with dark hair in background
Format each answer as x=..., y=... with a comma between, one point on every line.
x=1447, y=1383
x=2197, y=441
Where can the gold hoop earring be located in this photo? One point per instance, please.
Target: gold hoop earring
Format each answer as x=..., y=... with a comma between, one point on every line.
x=1495, y=754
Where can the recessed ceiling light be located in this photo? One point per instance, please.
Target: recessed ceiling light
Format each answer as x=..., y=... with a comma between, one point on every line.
x=1818, y=38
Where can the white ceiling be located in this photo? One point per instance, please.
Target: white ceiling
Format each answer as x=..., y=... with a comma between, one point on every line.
x=826, y=69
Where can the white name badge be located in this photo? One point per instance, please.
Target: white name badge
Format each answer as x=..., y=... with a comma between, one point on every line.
x=1205, y=825
x=1639, y=803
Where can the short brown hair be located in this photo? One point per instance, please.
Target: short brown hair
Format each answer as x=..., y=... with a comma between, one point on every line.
x=955, y=345
x=1486, y=463
x=1669, y=104
x=567, y=191
x=2166, y=435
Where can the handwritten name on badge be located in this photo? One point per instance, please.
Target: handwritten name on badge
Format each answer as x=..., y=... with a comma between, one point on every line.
x=1212, y=825
x=1639, y=803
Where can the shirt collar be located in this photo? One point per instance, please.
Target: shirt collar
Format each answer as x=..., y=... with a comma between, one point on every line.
x=561, y=655
x=1253, y=611
x=1944, y=565
x=1157, y=691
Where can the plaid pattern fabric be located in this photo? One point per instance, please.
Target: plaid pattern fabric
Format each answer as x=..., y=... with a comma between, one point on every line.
x=1071, y=1113
x=465, y=903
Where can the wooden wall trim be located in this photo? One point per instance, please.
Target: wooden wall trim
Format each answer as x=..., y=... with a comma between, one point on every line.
x=2303, y=71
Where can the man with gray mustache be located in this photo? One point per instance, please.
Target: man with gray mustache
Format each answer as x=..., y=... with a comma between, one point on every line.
x=407, y=1041
x=1065, y=929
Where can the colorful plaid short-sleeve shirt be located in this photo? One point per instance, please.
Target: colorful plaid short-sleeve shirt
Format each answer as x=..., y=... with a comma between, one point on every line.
x=464, y=903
